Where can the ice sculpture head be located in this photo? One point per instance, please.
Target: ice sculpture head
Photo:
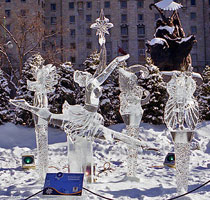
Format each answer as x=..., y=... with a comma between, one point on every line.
x=81, y=78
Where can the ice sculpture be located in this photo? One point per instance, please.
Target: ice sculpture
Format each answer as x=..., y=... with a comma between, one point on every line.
x=131, y=110
x=102, y=25
x=181, y=116
x=46, y=78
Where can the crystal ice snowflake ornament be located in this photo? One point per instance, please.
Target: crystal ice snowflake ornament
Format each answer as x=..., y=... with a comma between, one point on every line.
x=168, y=5
x=102, y=25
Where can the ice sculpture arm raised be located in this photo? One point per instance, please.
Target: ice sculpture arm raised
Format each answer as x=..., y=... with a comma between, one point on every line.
x=108, y=70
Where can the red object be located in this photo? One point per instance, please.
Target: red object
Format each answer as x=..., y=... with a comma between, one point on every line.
x=120, y=50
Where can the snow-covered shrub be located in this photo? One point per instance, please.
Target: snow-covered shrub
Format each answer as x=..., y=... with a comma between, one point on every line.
x=65, y=89
x=154, y=109
x=204, y=95
x=5, y=111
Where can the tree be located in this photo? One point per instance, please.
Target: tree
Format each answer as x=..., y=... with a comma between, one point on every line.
x=65, y=89
x=5, y=111
x=204, y=95
x=154, y=109
x=22, y=116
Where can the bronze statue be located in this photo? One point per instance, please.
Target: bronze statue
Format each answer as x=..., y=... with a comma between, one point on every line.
x=170, y=49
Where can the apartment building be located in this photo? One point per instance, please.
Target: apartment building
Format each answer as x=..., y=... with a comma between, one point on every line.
x=133, y=23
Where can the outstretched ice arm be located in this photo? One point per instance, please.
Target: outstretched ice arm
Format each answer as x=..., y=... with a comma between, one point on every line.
x=109, y=69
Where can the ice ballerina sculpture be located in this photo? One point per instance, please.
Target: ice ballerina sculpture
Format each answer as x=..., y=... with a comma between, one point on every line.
x=131, y=110
x=45, y=78
x=181, y=116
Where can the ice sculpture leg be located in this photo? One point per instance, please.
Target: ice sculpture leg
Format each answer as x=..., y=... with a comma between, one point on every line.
x=182, y=152
x=41, y=130
x=182, y=139
x=80, y=158
x=132, y=152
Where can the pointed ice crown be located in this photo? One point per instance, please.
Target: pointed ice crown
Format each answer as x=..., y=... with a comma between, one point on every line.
x=168, y=5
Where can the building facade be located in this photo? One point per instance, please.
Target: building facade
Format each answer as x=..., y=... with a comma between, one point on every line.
x=134, y=24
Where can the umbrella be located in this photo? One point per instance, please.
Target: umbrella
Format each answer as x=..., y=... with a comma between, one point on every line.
x=168, y=5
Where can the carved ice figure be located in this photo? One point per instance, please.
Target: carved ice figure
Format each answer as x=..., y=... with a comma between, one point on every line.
x=181, y=107
x=181, y=116
x=45, y=78
x=131, y=110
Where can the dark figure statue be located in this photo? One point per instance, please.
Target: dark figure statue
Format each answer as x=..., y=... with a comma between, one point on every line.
x=170, y=49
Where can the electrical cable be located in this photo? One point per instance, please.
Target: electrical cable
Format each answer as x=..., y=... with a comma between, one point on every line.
x=113, y=199
x=190, y=191
x=33, y=195
x=97, y=194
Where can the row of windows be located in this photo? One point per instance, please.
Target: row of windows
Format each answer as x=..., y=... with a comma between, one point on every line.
x=16, y=0
x=8, y=13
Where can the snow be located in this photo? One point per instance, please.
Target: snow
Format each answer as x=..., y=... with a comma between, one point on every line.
x=185, y=39
x=157, y=41
x=167, y=28
x=155, y=183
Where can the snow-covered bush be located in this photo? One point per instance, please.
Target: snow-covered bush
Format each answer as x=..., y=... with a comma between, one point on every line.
x=154, y=109
x=22, y=116
x=5, y=111
x=65, y=89
x=204, y=95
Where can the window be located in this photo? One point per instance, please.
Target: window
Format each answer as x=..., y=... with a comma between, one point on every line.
x=89, y=4
x=88, y=18
x=89, y=45
x=140, y=17
x=141, y=30
x=123, y=4
x=72, y=46
x=53, y=7
x=192, y=16
x=157, y=16
x=124, y=30
x=72, y=19
x=123, y=18
x=88, y=31
x=193, y=29
x=209, y=2
x=193, y=2
x=125, y=45
x=71, y=5
x=23, y=13
x=140, y=3
x=7, y=13
x=38, y=2
x=53, y=20
x=141, y=47
x=107, y=4
x=72, y=33
x=23, y=1
x=7, y=1
x=73, y=59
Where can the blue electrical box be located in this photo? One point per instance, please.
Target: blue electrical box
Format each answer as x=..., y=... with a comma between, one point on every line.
x=63, y=184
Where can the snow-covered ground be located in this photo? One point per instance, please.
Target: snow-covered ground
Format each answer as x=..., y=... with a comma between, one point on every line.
x=155, y=183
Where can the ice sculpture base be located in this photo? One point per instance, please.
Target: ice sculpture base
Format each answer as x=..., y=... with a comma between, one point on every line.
x=80, y=158
x=182, y=139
